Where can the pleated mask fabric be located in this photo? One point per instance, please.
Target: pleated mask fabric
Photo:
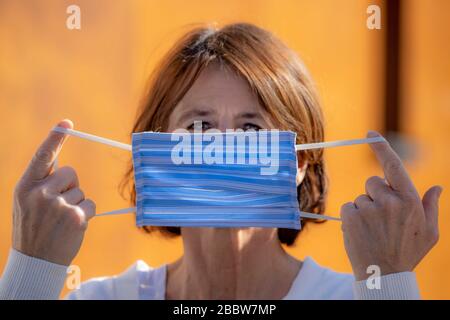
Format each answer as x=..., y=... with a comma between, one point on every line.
x=227, y=185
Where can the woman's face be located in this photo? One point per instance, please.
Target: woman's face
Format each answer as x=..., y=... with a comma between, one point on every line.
x=222, y=100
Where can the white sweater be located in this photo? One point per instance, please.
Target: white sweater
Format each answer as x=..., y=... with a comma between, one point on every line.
x=26, y=277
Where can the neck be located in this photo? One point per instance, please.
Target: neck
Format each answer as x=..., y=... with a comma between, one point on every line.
x=230, y=263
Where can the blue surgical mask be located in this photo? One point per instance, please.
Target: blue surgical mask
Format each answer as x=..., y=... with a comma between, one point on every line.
x=216, y=179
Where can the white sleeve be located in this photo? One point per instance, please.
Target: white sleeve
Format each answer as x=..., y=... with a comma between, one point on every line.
x=395, y=286
x=28, y=278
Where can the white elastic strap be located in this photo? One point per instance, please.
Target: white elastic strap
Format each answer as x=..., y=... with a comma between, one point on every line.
x=94, y=138
x=120, y=211
x=339, y=143
x=318, y=216
x=298, y=147
x=302, y=214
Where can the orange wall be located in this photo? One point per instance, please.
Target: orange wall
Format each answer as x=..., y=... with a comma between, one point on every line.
x=95, y=77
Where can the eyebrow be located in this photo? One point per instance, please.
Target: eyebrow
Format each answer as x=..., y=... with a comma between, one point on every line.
x=196, y=112
x=201, y=112
x=249, y=115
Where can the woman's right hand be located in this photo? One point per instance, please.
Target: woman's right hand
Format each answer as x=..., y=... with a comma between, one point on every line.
x=50, y=212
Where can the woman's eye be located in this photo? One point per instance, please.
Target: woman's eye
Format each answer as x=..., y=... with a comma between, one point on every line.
x=205, y=125
x=251, y=126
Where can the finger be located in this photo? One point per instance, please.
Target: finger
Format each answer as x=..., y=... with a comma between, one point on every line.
x=430, y=203
x=55, y=164
x=41, y=164
x=347, y=209
x=362, y=201
x=88, y=207
x=63, y=179
x=393, y=168
x=377, y=187
x=73, y=196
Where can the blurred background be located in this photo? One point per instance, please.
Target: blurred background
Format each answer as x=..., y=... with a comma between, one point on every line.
x=395, y=80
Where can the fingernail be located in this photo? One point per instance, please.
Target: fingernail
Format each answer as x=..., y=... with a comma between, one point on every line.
x=66, y=123
x=440, y=189
x=372, y=134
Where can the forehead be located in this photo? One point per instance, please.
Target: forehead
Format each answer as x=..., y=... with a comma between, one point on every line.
x=220, y=86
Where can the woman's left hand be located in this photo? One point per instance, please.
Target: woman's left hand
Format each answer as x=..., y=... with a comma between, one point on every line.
x=390, y=226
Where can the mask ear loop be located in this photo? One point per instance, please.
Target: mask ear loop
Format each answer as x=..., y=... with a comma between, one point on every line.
x=302, y=214
x=337, y=143
x=94, y=138
x=298, y=147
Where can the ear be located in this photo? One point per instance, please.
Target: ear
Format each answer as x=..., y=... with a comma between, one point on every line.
x=301, y=171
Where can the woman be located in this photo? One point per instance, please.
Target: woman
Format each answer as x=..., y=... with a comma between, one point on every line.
x=239, y=76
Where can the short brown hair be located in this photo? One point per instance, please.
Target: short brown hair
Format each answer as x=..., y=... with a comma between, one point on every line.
x=273, y=71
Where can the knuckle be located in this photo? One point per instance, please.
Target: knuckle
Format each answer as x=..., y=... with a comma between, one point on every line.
x=434, y=237
x=372, y=180
x=74, y=211
x=362, y=201
x=19, y=188
x=80, y=192
x=83, y=225
x=74, y=218
x=346, y=207
x=80, y=219
x=43, y=156
x=39, y=193
x=19, y=191
x=58, y=202
x=91, y=205
x=78, y=216
x=393, y=165
x=70, y=172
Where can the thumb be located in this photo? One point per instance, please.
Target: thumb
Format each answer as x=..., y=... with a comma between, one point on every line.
x=41, y=164
x=430, y=202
